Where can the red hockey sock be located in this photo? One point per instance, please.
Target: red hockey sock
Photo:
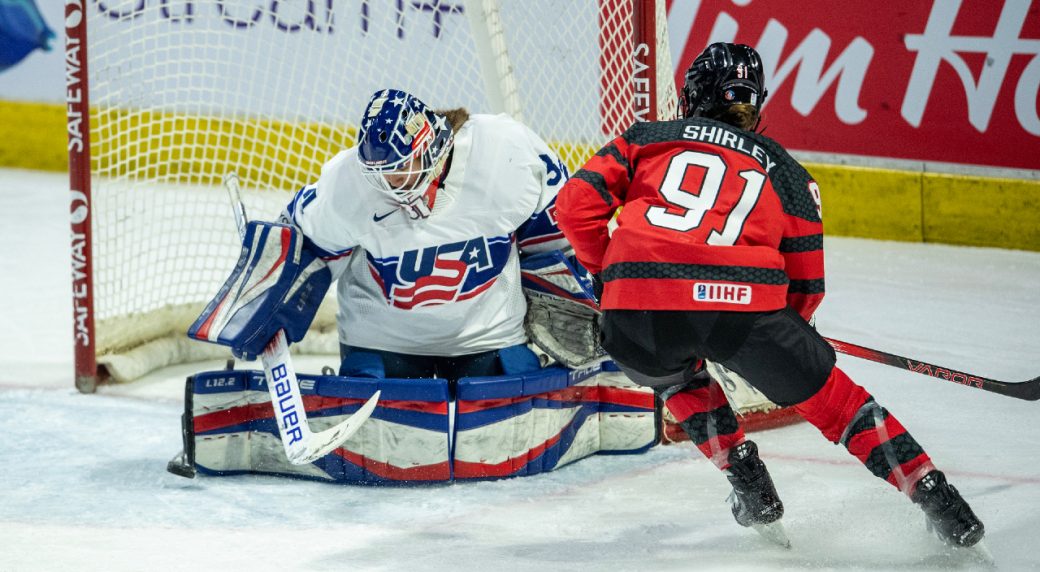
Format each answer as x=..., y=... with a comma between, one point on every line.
x=703, y=411
x=844, y=412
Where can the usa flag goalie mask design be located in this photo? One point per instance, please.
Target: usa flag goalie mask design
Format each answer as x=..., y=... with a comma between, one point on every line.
x=402, y=145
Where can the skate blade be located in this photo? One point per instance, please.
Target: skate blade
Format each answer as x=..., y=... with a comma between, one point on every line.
x=981, y=554
x=773, y=532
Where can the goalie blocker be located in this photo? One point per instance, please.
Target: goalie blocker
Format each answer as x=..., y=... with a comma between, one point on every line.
x=277, y=284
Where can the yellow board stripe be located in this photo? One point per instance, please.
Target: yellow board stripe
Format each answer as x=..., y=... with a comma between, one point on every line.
x=32, y=136
x=967, y=210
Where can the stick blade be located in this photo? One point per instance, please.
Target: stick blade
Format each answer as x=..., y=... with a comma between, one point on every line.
x=180, y=466
x=320, y=444
x=1030, y=390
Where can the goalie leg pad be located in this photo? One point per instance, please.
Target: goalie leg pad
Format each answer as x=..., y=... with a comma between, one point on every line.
x=538, y=422
x=504, y=426
x=405, y=441
x=277, y=284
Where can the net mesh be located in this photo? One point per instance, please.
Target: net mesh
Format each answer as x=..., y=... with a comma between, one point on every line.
x=186, y=91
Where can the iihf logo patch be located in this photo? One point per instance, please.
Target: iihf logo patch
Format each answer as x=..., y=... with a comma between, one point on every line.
x=722, y=293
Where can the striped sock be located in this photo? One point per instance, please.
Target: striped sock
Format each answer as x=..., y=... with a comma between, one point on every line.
x=846, y=413
x=702, y=410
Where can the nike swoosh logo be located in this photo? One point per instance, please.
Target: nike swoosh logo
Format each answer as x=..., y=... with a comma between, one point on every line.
x=377, y=218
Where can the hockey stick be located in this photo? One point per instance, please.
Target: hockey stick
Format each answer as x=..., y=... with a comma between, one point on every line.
x=301, y=445
x=1028, y=390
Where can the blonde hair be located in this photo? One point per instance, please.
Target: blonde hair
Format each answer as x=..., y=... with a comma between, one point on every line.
x=456, y=117
x=742, y=115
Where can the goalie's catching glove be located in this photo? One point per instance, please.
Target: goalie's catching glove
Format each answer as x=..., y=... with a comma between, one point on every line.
x=277, y=284
x=561, y=308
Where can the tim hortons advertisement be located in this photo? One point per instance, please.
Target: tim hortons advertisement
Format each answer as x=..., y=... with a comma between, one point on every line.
x=932, y=80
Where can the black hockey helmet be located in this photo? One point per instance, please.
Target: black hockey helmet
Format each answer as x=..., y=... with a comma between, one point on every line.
x=723, y=76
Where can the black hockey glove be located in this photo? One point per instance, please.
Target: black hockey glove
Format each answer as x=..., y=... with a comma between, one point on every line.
x=597, y=286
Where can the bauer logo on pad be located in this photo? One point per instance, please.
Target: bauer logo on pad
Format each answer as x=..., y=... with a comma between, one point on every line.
x=724, y=293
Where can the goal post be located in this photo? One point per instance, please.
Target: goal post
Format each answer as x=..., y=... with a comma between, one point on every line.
x=78, y=113
x=164, y=98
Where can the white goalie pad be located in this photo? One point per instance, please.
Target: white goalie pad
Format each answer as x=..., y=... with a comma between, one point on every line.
x=502, y=426
x=544, y=420
x=742, y=395
x=753, y=409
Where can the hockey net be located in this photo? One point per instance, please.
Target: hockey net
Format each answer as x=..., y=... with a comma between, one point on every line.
x=183, y=92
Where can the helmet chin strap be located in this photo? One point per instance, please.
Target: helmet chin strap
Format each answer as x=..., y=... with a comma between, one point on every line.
x=418, y=208
x=422, y=205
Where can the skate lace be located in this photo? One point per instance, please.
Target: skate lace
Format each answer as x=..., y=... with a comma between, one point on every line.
x=747, y=471
x=733, y=499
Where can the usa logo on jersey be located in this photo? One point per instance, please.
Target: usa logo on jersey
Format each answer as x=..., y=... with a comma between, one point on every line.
x=441, y=274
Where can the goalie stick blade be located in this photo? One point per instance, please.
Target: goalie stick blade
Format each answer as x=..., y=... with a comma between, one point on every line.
x=181, y=467
x=320, y=444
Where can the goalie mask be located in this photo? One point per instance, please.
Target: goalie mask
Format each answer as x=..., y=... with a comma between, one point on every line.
x=725, y=82
x=402, y=148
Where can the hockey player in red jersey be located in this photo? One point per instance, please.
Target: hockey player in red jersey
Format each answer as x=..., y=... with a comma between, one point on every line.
x=708, y=242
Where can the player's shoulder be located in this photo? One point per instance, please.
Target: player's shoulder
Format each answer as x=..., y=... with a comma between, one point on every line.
x=787, y=167
x=495, y=127
x=791, y=180
x=500, y=135
x=345, y=159
x=343, y=188
x=647, y=132
x=491, y=120
x=775, y=149
x=342, y=173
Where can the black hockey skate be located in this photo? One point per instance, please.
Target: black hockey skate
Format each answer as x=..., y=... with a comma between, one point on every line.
x=949, y=515
x=754, y=500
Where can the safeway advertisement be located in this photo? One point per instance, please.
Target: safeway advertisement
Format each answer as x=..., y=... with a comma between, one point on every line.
x=933, y=80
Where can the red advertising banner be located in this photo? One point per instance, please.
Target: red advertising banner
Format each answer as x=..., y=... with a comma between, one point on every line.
x=933, y=80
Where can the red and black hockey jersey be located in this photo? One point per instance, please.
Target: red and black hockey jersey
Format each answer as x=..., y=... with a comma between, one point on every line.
x=713, y=218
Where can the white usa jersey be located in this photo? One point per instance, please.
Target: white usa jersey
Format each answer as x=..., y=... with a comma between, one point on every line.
x=448, y=284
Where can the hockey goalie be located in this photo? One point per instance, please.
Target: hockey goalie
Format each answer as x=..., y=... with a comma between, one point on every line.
x=457, y=300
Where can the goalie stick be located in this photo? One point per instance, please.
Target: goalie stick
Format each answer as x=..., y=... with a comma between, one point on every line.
x=301, y=445
x=1028, y=390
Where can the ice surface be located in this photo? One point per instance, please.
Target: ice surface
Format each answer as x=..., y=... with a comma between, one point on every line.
x=85, y=487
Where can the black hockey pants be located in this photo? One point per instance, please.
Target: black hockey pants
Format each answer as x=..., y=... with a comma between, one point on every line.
x=777, y=352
